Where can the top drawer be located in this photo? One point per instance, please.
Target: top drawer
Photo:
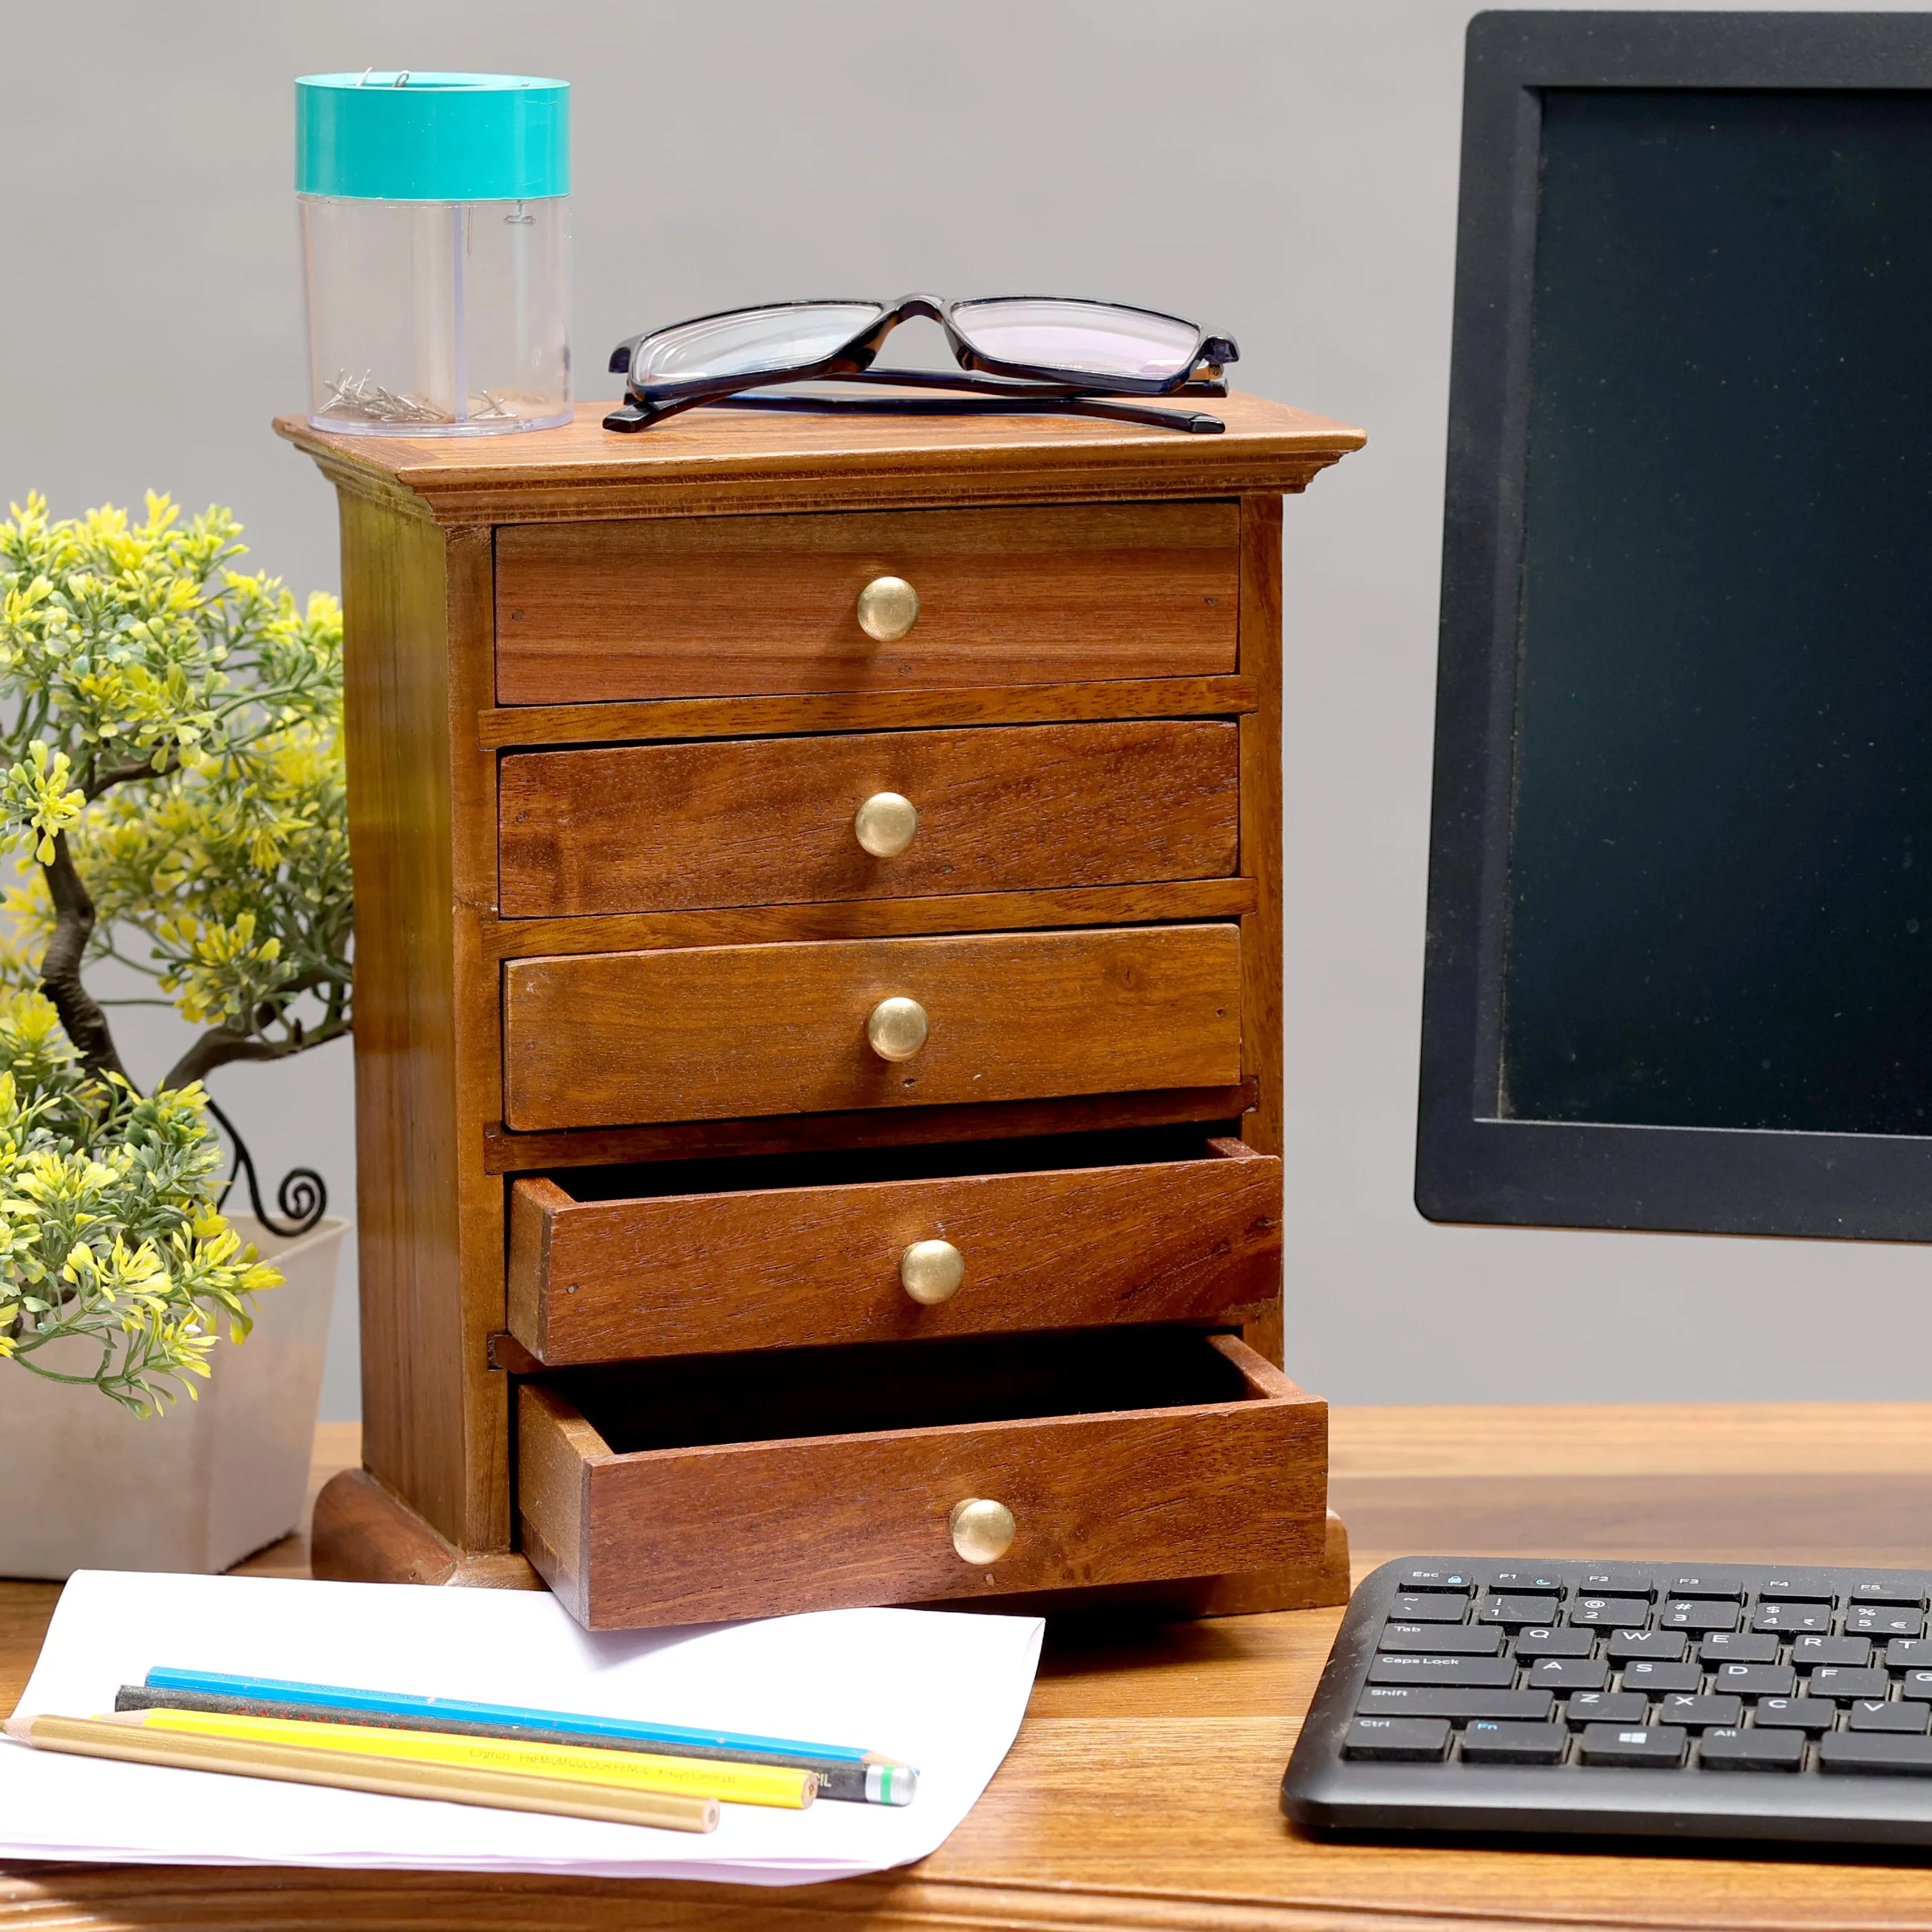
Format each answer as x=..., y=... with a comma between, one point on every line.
x=722, y=606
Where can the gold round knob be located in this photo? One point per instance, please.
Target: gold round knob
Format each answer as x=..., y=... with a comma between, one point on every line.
x=888, y=608
x=931, y=1271
x=983, y=1530
x=897, y=1029
x=885, y=824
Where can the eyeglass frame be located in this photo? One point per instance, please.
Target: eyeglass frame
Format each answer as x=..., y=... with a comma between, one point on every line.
x=645, y=404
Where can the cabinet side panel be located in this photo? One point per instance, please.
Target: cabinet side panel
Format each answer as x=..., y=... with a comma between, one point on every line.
x=396, y=711
x=1262, y=846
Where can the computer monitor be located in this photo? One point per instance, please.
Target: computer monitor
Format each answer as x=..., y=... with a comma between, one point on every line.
x=1679, y=965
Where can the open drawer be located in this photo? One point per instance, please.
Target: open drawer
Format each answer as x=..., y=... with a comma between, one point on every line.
x=690, y=1258
x=673, y=1493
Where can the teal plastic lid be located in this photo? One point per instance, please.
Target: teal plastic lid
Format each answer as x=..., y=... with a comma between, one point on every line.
x=432, y=136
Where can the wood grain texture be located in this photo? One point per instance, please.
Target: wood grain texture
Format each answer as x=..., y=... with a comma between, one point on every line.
x=1174, y=902
x=718, y=1032
x=681, y=1534
x=1140, y=1795
x=781, y=1267
x=716, y=606
x=507, y=1152
x=718, y=461
x=503, y=726
x=359, y=1533
x=670, y=828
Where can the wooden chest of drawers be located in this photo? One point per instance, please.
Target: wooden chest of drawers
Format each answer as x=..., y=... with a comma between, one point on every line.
x=818, y=1043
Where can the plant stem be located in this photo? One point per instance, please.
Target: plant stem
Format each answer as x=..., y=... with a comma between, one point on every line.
x=220, y=1045
x=80, y=1013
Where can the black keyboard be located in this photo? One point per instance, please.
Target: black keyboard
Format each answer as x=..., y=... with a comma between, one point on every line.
x=1655, y=1698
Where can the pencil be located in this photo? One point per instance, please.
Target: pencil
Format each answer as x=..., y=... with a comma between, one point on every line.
x=777, y=1785
x=859, y=1777
x=346, y=1770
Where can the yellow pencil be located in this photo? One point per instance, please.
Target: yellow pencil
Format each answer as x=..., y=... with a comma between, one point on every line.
x=350, y=1771
x=782, y=1786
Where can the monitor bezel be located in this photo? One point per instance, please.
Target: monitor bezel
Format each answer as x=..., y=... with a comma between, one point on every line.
x=1472, y=1164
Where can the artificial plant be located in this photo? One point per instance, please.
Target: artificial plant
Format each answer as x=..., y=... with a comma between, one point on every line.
x=170, y=770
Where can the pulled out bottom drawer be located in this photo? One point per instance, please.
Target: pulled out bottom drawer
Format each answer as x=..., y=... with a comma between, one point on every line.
x=721, y=1487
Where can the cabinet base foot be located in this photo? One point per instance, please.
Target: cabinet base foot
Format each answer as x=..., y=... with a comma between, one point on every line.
x=361, y=1533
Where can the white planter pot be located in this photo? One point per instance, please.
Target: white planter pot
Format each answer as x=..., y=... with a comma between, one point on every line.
x=84, y=1485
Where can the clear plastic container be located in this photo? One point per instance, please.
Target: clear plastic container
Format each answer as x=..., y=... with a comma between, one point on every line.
x=435, y=218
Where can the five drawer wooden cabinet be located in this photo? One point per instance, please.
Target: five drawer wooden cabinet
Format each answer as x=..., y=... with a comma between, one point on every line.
x=818, y=1014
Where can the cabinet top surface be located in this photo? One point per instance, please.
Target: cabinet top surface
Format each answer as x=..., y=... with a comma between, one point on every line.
x=728, y=458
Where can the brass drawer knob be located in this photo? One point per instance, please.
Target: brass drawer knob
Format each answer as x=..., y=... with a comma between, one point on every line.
x=897, y=1029
x=888, y=608
x=885, y=824
x=983, y=1530
x=931, y=1272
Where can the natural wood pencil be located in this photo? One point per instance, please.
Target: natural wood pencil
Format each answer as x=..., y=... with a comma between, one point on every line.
x=508, y=1791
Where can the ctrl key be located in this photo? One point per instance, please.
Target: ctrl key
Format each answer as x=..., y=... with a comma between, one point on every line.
x=1397, y=1740
x=1654, y=1746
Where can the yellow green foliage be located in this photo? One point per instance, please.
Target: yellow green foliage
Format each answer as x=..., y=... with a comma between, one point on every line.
x=111, y=1244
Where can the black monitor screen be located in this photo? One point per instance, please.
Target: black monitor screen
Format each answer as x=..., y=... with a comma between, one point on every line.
x=1719, y=903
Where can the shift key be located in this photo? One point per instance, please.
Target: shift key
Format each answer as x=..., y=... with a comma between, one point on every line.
x=1488, y=1672
x=1422, y=1700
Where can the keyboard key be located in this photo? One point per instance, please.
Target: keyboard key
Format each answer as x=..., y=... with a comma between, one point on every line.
x=1421, y=1700
x=1755, y=1680
x=1916, y=1683
x=1875, y=1620
x=1516, y=1613
x=1679, y=1614
x=1875, y=1713
x=1492, y=1743
x=1794, y=1590
x=1707, y=1583
x=1518, y=1582
x=1806, y=1650
x=1569, y=1673
x=1729, y=1750
x=1416, y=1608
x=1396, y=1740
x=1559, y=1642
x=1792, y=1617
x=1487, y=1671
x=1739, y=1647
x=1667, y=1645
x=1863, y=1751
x=1655, y=1679
x=1610, y=1613
x=1618, y=1583
x=1886, y=1590
x=1615, y=1743
x=1442, y=1639
x=1606, y=1707
x=1435, y=1579
x=1795, y=1714
x=1686, y=1707
x=1905, y=1652
x=1834, y=1680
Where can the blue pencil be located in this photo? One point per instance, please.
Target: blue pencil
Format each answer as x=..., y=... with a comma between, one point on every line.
x=843, y=1770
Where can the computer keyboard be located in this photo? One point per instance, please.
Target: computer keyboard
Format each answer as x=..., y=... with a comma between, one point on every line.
x=1665, y=1698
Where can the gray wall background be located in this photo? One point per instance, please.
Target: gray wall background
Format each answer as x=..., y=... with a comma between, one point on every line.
x=1283, y=169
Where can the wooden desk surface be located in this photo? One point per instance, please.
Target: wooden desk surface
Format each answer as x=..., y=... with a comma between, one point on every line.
x=1141, y=1792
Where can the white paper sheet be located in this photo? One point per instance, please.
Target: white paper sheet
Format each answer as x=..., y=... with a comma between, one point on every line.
x=942, y=1690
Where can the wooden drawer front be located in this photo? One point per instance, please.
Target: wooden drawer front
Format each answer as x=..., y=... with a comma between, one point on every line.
x=723, y=606
x=819, y=1521
x=718, y=1032
x=669, y=828
x=781, y=1267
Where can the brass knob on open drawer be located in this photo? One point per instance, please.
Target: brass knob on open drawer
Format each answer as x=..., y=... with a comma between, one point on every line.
x=931, y=1272
x=897, y=1028
x=983, y=1530
x=888, y=608
x=885, y=824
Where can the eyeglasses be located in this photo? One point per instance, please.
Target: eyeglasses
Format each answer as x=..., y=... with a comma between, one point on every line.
x=1051, y=354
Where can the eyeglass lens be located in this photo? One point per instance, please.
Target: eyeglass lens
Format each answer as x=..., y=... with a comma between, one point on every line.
x=1092, y=337
x=750, y=341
